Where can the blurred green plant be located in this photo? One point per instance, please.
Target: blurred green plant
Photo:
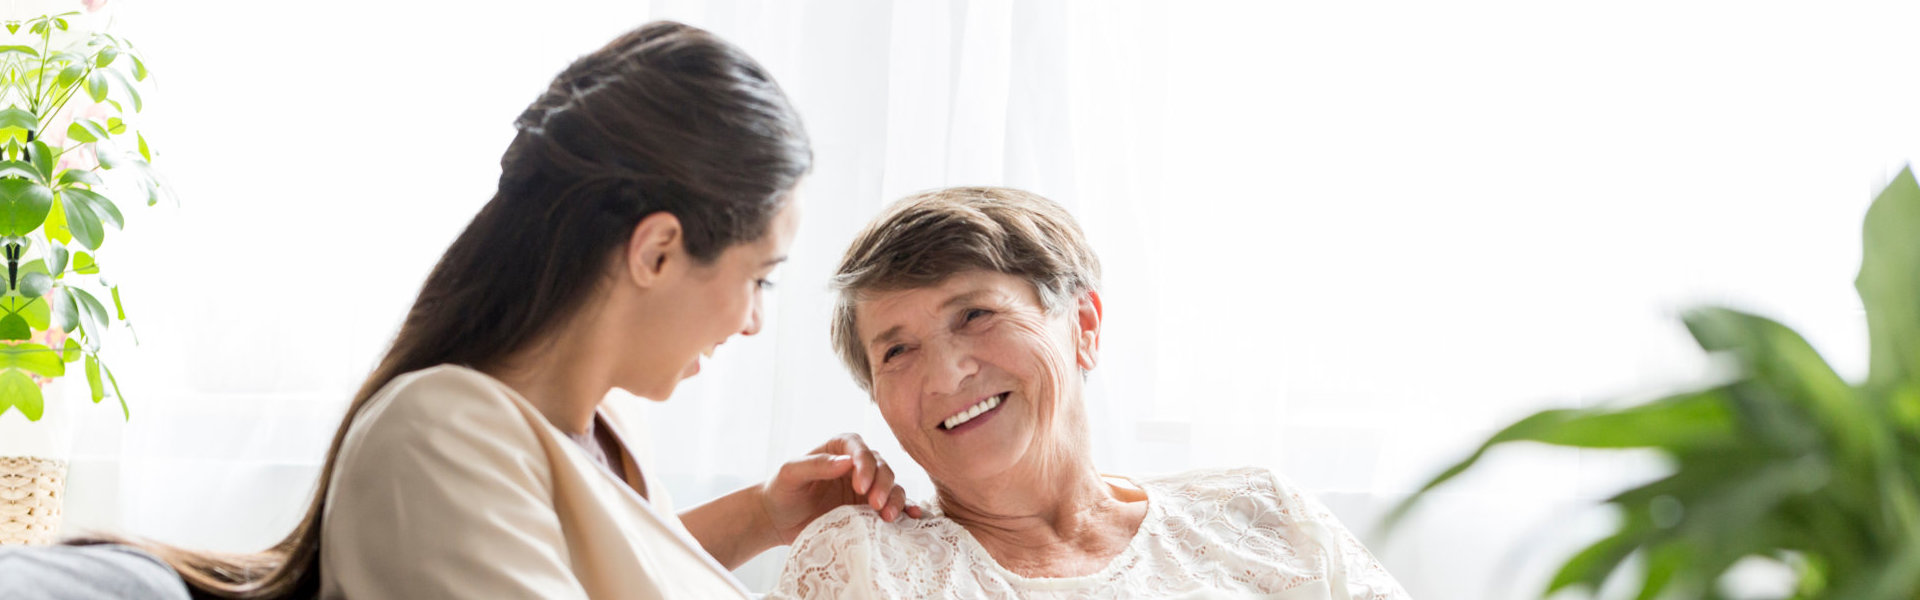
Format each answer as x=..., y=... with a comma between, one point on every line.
x=59, y=161
x=1785, y=461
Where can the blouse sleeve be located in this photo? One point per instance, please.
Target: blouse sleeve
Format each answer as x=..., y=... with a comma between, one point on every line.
x=830, y=559
x=445, y=493
x=1364, y=577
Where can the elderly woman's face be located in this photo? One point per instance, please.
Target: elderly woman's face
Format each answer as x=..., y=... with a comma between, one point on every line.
x=973, y=375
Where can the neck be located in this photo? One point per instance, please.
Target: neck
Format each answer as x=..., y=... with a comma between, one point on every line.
x=1060, y=519
x=565, y=379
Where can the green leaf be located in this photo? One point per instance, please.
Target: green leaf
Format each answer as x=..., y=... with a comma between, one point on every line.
x=100, y=205
x=83, y=222
x=13, y=327
x=68, y=76
x=18, y=390
x=39, y=317
x=1590, y=568
x=62, y=313
x=57, y=259
x=139, y=68
x=111, y=160
x=83, y=264
x=61, y=24
x=18, y=118
x=34, y=285
x=97, y=86
x=80, y=134
x=116, y=125
x=106, y=56
x=56, y=226
x=132, y=91
x=93, y=379
x=1777, y=358
x=23, y=206
x=16, y=168
x=115, y=382
x=1889, y=274
x=1662, y=565
x=70, y=351
x=93, y=316
x=78, y=176
x=18, y=50
x=98, y=130
x=42, y=157
x=119, y=309
x=68, y=57
x=1684, y=421
x=144, y=152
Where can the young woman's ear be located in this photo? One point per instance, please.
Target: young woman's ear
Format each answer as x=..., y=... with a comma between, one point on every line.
x=1086, y=329
x=657, y=243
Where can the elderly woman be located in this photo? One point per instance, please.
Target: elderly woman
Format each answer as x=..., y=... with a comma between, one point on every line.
x=972, y=316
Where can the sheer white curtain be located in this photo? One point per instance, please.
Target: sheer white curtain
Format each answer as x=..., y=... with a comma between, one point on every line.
x=1342, y=241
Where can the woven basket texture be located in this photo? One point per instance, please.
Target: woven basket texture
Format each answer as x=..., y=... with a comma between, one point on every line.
x=31, y=490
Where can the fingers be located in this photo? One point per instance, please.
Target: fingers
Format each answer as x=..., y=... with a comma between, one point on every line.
x=814, y=467
x=882, y=485
x=865, y=462
x=896, y=505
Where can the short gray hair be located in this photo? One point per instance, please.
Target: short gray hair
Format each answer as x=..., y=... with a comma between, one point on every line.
x=925, y=238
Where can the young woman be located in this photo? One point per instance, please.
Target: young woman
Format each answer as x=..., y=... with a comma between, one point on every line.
x=640, y=209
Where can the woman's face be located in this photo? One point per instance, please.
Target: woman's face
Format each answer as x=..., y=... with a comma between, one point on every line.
x=708, y=304
x=974, y=377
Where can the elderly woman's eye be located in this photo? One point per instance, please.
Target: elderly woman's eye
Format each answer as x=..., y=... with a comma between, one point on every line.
x=975, y=313
x=892, y=352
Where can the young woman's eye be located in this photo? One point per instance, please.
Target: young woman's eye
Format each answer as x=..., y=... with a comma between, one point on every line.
x=764, y=284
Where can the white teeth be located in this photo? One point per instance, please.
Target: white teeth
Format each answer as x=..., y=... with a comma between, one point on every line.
x=969, y=414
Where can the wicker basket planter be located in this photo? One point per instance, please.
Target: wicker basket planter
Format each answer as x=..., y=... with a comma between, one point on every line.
x=31, y=489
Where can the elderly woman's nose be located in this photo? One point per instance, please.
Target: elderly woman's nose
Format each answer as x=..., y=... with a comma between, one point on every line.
x=949, y=368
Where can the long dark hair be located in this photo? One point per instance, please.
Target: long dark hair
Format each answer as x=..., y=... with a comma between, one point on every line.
x=666, y=118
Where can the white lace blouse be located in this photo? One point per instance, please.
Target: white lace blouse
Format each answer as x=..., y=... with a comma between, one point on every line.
x=1241, y=533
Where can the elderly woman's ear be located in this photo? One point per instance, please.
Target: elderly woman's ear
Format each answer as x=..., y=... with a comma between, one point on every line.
x=1087, y=329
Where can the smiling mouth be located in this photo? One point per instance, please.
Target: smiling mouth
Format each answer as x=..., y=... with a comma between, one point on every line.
x=972, y=412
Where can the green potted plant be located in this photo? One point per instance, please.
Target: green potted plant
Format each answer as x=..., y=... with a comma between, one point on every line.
x=1784, y=460
x=68, y=149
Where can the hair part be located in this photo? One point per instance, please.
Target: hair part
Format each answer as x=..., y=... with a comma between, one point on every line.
x=667, y=118
x=923, y=239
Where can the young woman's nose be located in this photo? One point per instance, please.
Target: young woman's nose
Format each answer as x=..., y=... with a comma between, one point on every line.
x=753, y=318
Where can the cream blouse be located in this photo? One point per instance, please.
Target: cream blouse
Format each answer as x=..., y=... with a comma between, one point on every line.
x=1220, y=533
x=451, y=485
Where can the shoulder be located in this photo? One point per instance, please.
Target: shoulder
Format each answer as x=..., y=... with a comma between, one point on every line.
x=440, y=390
x=445, y=418
x=1240, y=482
x=852, y=552
x=847, y=527
x=445, y=398
x=1252, y=499
x=829, y=558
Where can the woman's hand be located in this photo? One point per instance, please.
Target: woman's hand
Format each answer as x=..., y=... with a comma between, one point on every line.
x=840, y=472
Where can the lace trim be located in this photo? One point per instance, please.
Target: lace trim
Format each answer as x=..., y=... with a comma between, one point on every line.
x=1242, y=531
